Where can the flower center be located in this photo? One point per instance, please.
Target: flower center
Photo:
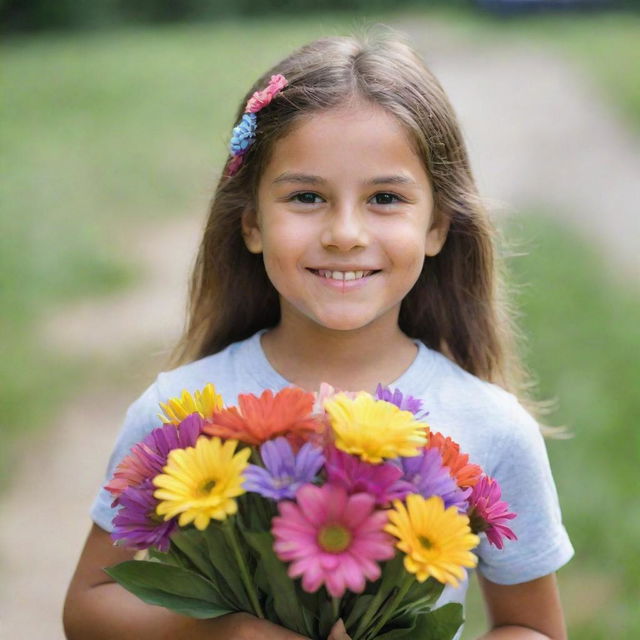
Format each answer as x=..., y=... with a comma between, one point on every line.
x=425, y=542
x=282, y=481
x=154, y=517
x=477, y=523
x=334, y=538
x=206, y=487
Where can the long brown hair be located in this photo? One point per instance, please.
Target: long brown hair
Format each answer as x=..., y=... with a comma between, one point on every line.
x=458, y=305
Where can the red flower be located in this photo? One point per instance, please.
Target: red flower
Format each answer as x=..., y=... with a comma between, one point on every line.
x=465, y=474
x=256, y=420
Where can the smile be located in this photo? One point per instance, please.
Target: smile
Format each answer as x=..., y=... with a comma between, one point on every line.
x=342, y=275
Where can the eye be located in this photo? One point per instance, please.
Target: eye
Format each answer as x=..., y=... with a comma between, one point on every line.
x=306, y=197
x=386, y=198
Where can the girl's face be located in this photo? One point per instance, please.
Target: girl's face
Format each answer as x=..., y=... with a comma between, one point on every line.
x=344, y=219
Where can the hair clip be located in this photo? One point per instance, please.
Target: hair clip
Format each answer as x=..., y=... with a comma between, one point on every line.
x=244, y=133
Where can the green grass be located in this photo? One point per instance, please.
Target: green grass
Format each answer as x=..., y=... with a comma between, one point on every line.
x=583, y=346
x=604, y=46
x=584, y=349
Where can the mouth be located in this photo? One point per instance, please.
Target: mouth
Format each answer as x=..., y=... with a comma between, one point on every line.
x=343, y=275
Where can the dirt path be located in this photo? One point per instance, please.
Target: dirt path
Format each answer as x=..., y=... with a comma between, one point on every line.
x=538, y=132
x=44, y=514
x=542, y=133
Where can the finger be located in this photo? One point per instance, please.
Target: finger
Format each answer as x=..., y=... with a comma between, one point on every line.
x=338, y=631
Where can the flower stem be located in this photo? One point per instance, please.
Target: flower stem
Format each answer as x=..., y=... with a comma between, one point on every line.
x=230, y=535
x=335, y=607
x=391, y=607
x=368, y=615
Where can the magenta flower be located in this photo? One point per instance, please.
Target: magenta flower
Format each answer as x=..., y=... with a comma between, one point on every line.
x=402, y=401
x=357, y=476
x=488, y=514
x=332, y=539
x=285, y=471
x=428, y=476
x=136, y=525
x=147, y=458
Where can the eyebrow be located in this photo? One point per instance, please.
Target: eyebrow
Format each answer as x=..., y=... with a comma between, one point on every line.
x=305, y=178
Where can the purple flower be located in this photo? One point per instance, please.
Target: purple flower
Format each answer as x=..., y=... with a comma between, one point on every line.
x=285, y=471
x=164, y=439
x=147, y=458
x=403, y=402
x=429, y=477
x=382, y=481
x=488, y=513
x=136, y=525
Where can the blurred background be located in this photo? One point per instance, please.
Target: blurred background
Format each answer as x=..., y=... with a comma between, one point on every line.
x=115, y=121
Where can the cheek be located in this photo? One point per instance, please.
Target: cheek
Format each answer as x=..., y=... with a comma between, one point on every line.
x=282, y=251
x=408, y=247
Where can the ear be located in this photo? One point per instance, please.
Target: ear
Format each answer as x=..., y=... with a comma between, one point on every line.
x=437, y=234
x=251, y=231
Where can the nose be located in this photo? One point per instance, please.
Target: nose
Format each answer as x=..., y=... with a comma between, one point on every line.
x=345, y=228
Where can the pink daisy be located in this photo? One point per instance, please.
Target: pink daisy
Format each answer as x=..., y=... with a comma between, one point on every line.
x=332, y=538
x=488, y=514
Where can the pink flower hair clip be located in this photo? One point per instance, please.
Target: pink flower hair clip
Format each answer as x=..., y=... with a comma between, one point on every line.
x=244, y=133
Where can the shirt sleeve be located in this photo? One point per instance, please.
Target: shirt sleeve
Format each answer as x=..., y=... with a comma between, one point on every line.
x=522, y=469
x=140, y=419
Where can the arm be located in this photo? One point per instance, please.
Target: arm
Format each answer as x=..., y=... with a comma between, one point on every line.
x=530, y=610
x=97, y=608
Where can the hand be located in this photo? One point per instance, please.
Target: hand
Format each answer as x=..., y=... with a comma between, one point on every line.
x=338, y=632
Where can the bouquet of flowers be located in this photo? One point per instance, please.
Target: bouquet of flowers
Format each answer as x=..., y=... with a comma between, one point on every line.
x=304, y=508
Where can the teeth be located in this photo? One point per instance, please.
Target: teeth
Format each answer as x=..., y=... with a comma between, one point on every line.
x=343, y=275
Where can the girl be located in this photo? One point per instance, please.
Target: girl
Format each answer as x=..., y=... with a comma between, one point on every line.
x=346, y=243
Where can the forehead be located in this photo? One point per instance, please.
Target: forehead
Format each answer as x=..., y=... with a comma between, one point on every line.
x=358, y=141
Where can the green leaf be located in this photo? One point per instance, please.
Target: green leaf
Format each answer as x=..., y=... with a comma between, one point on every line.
x=191, y=543
x=221, y=558
x=392, y=573
x=358, y=609
x=327, y=619
x=175, y=588
x=286, y=599
x=402, y=628
x=172, y=557
x=421, y=596
x=441, y=623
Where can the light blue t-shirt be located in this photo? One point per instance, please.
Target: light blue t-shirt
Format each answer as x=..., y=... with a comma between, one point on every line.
x=488, y=423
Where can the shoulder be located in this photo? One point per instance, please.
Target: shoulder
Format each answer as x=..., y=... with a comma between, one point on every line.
x=226, y=370
x=482, y=416
x=468, y=395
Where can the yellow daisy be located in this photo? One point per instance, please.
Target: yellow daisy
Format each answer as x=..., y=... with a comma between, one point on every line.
x=204, y=402
x=201, y=482
x=437, y=541
x=374, y=429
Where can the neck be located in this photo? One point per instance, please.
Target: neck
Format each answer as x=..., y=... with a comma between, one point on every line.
x=307, y=354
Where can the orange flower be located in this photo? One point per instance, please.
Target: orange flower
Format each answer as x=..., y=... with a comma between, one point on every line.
x=256, y=420
x=465, y=474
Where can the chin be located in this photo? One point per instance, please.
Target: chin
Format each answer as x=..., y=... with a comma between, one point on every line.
x=343, y=324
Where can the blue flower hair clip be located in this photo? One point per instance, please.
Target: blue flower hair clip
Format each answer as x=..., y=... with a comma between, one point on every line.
x=244, y=133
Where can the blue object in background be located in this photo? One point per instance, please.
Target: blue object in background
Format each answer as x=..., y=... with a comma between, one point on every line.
x=529, y=6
